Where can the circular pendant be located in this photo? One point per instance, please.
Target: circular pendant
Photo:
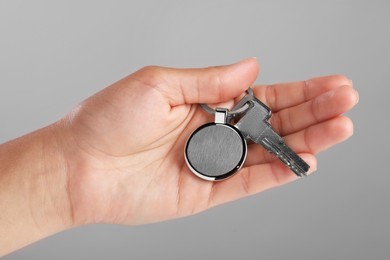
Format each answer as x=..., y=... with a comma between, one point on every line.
x=215, y=151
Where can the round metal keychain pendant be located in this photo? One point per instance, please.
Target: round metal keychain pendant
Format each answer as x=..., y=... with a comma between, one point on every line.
x=216, y=151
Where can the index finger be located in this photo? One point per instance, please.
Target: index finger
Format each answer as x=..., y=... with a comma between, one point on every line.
x=284, y=95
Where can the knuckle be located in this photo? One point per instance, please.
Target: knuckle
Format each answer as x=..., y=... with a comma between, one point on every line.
x=215, y=79
x=271, y=96
x=277, y=122
x=306, y=89
x=306, y=140
x=149, y=75
x=316, y=109
x=150, y=70
x=290, y=121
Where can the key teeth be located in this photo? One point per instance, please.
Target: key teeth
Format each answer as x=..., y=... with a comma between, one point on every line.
x=299, y=167
x=285, y=154
x=300, y=173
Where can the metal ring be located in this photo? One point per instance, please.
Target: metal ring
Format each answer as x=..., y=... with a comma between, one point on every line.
x=232, y=113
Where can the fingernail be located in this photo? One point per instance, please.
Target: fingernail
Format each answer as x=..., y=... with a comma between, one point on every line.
x=244, y=60
x=357, y=96
x=313, y=170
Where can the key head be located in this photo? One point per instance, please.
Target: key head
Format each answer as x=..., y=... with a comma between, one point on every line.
x=254, y=122
x=215, y=151
x=262, y=109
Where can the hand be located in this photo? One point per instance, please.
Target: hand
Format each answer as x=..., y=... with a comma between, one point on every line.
x=124, y=145
x=118, y=157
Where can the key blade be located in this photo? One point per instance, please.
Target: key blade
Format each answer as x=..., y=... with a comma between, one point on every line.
x=254, y=125
x=274, y=144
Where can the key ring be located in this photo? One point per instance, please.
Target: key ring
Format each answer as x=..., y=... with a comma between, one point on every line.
x=233, y=113
x=217, y=150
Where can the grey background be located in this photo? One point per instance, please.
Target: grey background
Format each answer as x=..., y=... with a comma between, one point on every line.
x=53, y=54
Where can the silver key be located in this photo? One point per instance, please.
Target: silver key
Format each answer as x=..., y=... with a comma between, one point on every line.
x=254, y=126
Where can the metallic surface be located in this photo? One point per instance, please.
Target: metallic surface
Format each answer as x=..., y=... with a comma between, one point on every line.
x=241, y=107
x=254, y=125
x=215, y=151
x=221, y=115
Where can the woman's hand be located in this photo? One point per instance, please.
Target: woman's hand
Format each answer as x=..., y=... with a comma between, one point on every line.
x=124, y=145
x=118, y=157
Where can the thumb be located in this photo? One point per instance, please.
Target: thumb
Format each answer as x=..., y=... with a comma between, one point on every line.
x=204, y=85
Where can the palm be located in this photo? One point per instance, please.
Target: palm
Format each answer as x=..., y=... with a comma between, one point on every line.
x=133, y=140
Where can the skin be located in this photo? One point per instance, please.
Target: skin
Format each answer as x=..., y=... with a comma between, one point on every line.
x=118, y=156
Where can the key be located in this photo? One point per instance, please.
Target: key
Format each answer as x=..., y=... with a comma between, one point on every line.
x=216, y=151
x=254, y=126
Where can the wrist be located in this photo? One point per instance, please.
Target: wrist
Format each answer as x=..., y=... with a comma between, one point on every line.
x=55, y=175
x=34, y=197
